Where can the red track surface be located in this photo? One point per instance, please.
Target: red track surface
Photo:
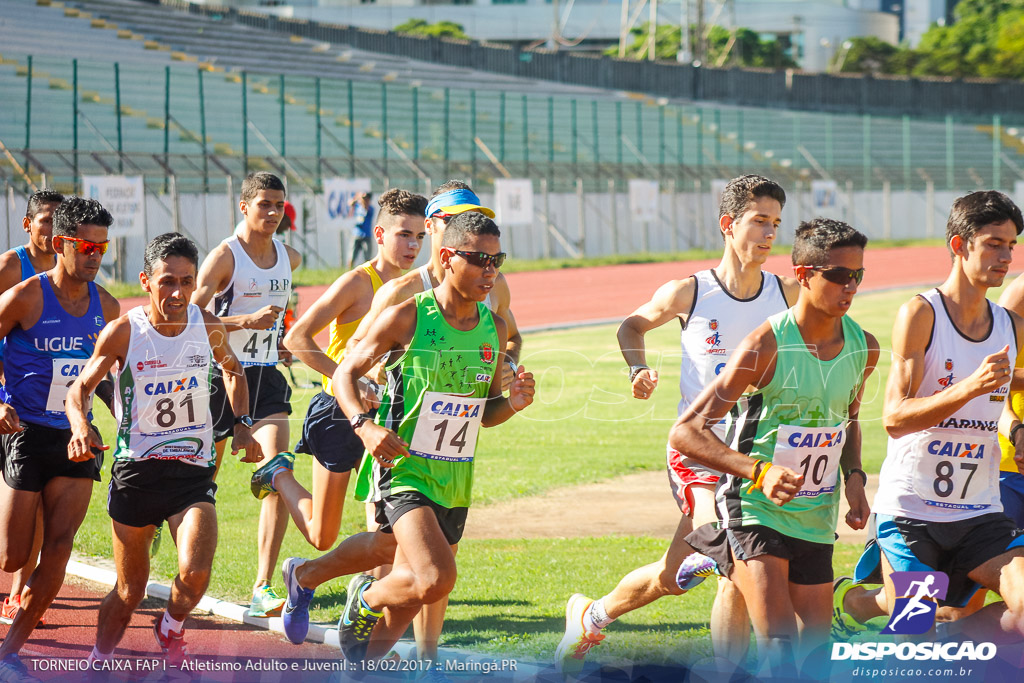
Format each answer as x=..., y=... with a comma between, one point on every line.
x=540, y=299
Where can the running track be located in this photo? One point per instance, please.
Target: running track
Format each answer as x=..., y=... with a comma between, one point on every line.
x=540, y=299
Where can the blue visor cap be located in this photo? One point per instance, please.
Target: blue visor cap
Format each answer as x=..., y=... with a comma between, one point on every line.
x=457, y=201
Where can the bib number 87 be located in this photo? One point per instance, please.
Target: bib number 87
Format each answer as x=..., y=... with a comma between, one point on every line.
x=944, y=485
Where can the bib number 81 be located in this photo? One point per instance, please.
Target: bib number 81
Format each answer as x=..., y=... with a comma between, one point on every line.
x=166, y=415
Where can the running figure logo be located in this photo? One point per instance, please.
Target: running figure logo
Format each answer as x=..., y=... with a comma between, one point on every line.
x=917, y=599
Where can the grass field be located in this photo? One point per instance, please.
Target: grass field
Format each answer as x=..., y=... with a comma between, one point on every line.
x=583, y=428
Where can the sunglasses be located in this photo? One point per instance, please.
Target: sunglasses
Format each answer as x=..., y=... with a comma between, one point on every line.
x=481, y=258
x=85, y=247
x=445, y=217
x=838, y=274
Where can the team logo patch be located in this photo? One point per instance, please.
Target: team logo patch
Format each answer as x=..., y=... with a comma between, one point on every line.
x=139, y=366
x=949, y=364
x=917, y=596
x=487, y=353
x=713, y=325
x=253, y=284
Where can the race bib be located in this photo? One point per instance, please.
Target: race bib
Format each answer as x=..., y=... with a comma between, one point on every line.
x=813, y=452
x=447, y=427
x=173, y=403
x=65, y=372
x=956, y=471
x=255, y=347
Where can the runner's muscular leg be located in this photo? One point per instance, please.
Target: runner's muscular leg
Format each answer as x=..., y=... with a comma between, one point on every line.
x=131, y=558
x=318, y=515
x=428, y=624
x=272, y=435
x=194, y=531
x=764, y=583
x=358, y=553
x=16, y=537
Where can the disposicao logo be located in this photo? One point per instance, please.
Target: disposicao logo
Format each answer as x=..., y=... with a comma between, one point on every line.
x=917, y=596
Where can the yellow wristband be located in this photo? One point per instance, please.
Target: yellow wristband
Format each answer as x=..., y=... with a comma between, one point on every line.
x=760, y=479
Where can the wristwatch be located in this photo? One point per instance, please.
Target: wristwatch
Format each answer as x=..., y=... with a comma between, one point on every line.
x=244, y=420
x=635, y=370
x=357, y=420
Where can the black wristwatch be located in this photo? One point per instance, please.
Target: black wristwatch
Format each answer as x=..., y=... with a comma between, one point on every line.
x=357, y=420
x=244, y=420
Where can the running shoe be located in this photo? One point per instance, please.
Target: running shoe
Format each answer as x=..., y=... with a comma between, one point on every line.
x=154, y=547
x=357, y=621
x=843, y=625
x=295, y=613
x=577, y=641
x=266, y=603
x=694, y=569
x=10, y=608
x=262, y=483
x=172, y=645
x=12, y=670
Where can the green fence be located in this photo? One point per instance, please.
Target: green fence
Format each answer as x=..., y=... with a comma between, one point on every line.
x=65, y=118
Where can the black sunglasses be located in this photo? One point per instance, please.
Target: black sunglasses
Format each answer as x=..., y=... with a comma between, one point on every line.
x=482, y=258
x=838, y=274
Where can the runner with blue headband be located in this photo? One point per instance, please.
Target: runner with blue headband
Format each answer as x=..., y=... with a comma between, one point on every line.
x=363, y=552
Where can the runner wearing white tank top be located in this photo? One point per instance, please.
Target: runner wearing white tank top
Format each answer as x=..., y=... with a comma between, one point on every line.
x=250, y=275
x=717, y=308
x=937, y=508
x=161, y=356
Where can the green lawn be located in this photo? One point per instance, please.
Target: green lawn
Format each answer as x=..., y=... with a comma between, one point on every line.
x=583, y=428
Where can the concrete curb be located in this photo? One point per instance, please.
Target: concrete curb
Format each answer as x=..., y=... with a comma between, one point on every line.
x=209, y=605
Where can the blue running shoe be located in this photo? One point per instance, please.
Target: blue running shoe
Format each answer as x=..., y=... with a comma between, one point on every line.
x=295, y=613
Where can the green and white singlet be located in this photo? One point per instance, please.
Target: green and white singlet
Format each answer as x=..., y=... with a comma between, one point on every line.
x=799, y=421
x=434, y=399
x=162, y=402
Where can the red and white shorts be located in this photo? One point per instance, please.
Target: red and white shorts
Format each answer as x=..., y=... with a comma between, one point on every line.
x=683, y=474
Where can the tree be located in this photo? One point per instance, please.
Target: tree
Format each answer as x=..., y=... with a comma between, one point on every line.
x=442, y=29
x=747, y=49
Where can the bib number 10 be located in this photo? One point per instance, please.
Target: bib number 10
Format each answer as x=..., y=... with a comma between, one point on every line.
x=815, y=468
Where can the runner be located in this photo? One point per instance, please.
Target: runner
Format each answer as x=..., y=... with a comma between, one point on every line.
x=50, y=322
x=326, y=433
x=442, y=388
x=1011, y=481
x=18, y=265
x=162, y=358
x=798, y=429
x=365, y=552
x=717, y=308
x=246, y=281
x=947, y=388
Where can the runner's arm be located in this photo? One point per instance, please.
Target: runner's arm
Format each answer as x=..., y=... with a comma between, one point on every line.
x=513, y=347
x=111, y=348
x=904, y=413
x=235, y=385
x=1012, y=299
x=341, y=295
x=857, y=516
x=214, y=276
x=16, y=304
x=672, y=300
x=790, y=289
x=393, y=330
x=500, y=408
x=752, y=364
x=10, y=270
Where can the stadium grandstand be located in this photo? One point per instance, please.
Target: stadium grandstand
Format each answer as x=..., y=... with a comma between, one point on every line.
x=188, y=97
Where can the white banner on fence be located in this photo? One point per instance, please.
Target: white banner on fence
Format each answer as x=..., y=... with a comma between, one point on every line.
x=824, y=193
x=1018, y=190
x=643, y=200
x=124, y=197
x=339, y=192
x=514, y=201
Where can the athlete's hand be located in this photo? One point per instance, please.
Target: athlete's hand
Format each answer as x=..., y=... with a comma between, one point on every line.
x=383, y=444
x=263, y=319
x=242, y=440
x=994, y=372
x=857, y=517
x=9, y=422
x=284, y=356
x=781, y=484
x=81, y=446
x=644, y=383
x=522, y=390
x=507, y=375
